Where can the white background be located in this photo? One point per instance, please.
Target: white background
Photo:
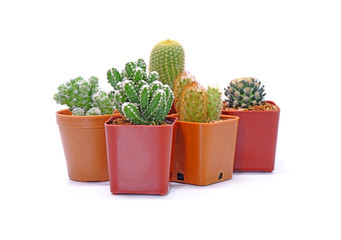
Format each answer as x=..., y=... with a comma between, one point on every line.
x=293, y=47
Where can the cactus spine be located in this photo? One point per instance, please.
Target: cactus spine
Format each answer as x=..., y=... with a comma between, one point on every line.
x=245, y=93
x=140, y=98
x=168, y=59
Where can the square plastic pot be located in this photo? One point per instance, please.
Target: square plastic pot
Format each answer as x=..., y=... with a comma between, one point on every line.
x=139, y=157
x=83, y=139
x=257, y=140
x=204, y=152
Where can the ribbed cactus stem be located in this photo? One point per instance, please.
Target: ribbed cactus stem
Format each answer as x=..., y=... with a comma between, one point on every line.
x=168, y=59
x=193, y=107
x=180, y=83
x=214, y=103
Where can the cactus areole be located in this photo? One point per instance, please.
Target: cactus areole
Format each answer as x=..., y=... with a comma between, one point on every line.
x=141, y=98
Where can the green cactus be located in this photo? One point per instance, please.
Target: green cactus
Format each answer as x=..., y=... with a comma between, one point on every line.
x=193, y=107
x=140, y=98
x=81, y=95
x=214, y=103
x=168, y=59
x=244, y=92
x=179, y=84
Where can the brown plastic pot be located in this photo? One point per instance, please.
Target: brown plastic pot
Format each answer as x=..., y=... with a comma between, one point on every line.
x=204, y=152
x=83, y=140
x=257, y=140
x=139, y=157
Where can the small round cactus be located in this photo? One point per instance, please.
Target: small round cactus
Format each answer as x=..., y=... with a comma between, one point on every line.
x=93, y=112
x=244, y=93
x=168, y=59
x=78, y=112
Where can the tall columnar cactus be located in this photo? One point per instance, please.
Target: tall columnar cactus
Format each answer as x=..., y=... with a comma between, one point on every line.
x=84, y=98
x=140, y=98
x=168, y=59
x=180, y=83
x=245, y=93
x=200, y=105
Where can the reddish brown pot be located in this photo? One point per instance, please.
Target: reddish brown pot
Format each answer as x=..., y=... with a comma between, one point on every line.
x=83, y=140
x=139, y=157
x=204, y=152
x=257, y=140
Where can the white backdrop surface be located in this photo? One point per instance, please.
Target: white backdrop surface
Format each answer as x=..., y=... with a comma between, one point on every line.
x=293, y=47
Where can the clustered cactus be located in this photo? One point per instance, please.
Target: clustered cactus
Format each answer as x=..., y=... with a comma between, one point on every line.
x=140, y=98
x=84, y=98
x=195, y=103
x=168, y=59
x=244, y=93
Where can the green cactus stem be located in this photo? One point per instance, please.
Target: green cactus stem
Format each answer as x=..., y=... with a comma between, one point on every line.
x=180, y=83
x=214, y=103
x=193, y=106
x=168, y=59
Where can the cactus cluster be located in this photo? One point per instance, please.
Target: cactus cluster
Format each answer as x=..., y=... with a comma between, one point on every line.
x=244, y=93
x=195, y=103
x=168, y=59
x=141, y=98
x=84, y=98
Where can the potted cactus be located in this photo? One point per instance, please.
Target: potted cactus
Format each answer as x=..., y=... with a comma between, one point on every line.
x=258, y=124
x=81, y=128
x=206, y=140
x=139, y=141
x=168, y=59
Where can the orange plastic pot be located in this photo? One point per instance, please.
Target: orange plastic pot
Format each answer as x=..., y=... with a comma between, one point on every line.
x=139, y=157
x=83, y=139
x=204, y=152
x=257, y=140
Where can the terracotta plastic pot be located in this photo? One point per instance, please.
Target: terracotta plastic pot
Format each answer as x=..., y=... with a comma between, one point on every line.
x=139, y=157
x=83, y=139
x=204, y=152
x=257, y=139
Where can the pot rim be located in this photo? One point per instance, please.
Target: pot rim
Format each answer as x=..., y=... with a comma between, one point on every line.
x=139, y=126
x=254, y=111
x=233, y=118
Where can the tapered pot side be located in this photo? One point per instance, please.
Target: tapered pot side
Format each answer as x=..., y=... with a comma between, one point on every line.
x=139, y=157
x=204, y=152
x=257, y=139
x=83, y=139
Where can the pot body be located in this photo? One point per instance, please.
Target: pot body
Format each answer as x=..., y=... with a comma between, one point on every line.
x=139, y=157
x=83, y=139
x=204, y=152
x=257, y=140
